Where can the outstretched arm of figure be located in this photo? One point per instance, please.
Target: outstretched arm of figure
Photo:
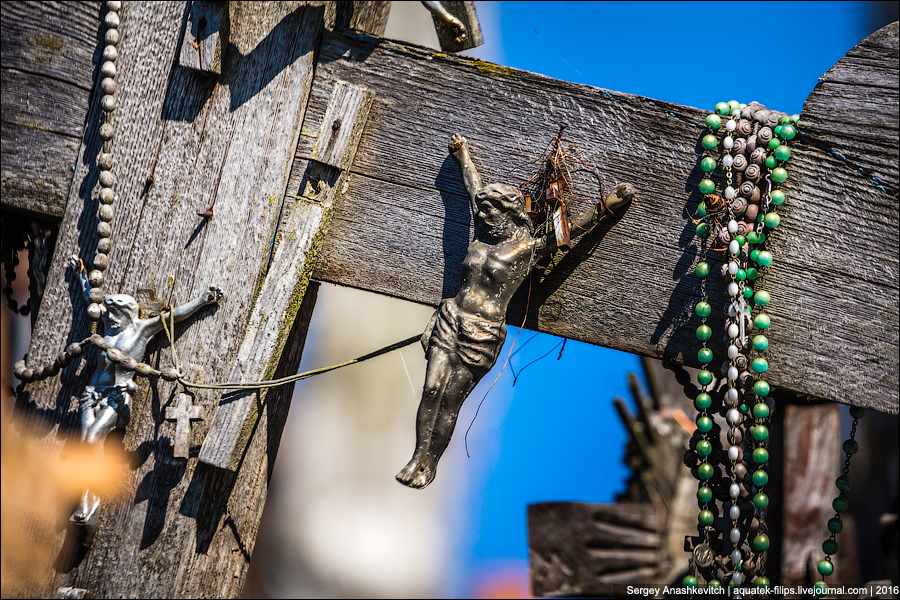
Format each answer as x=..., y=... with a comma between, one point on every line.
x=587, y=220
x=77, y=265
x=441, y=13
x=154, y=325
x=459, y=150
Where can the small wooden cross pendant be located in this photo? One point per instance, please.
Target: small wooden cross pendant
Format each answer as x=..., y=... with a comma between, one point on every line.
x=183, y=413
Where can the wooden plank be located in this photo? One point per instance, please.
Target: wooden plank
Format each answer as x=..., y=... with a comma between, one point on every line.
x=812, y=441
x=52, y=39
x=37, y=169
x=368, y=16
x=629, y=285
x=308, y=215
x=183, y=144
x=576, y=549
x=205, y=36
x=852, y=116
x=46, y=69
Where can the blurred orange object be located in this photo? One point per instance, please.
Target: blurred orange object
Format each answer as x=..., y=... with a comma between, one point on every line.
x=41, y=482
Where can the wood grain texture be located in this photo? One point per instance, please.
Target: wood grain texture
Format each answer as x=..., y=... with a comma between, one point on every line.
x=306, y=220
x=852, y=116
x=49, y=53
x=368, y=17
x=629, y=285
x=812, y=439
x=185, y=142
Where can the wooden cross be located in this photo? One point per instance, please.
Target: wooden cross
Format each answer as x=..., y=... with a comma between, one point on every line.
x=183, y=413
x=261, y=149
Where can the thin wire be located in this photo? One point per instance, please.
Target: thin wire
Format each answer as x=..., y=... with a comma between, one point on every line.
x=545, y=355
x=256, y=385
x=171, y=337
x=408, y=378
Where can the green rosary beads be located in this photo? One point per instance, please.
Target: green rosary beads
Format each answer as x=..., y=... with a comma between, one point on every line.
x=736, y=221
x=840, y=504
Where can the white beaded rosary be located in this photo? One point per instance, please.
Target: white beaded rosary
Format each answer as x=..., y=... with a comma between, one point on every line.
x=105, y=161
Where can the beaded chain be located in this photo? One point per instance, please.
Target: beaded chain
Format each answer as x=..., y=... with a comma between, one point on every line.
x=27, y=374
x=104, y=228
x=105, y=161
x=38, y=240
x=839, y=504
x=10, y=262
x=754, y=152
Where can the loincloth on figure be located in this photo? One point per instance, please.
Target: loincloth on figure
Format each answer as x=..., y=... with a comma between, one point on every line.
x=475, y=341
x=115, y=397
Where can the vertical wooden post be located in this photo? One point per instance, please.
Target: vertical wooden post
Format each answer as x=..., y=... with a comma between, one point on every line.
x=369, y=17
x=307, y=218
x=465, y=12
x=187, y=143
x=812, y=441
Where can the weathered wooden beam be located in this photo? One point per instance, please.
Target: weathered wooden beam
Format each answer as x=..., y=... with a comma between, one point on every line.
x=205, y=38
x=579, y=549
x=571, y=551
x=46, y=69
x=307, y=216
x=49, y=52
x=630, y=284
x=367, y=16
x=187, y=143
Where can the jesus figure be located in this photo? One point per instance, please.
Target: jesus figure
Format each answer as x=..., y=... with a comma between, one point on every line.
x=464, y=337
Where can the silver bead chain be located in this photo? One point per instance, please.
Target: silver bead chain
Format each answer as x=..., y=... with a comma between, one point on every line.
x=105, y=161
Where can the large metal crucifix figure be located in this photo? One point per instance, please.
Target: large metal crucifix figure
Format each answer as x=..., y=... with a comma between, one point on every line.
x=465, y=335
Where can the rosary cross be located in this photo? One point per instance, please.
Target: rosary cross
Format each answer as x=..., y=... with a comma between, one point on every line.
x=183, y=413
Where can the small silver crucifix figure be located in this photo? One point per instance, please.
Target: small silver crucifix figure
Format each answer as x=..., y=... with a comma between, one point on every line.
x=105, y=404
x=183, y=413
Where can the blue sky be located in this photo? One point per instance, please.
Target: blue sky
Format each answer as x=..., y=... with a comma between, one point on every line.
x=552, y=446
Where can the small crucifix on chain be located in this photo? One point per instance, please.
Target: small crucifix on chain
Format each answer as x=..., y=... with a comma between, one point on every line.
x=183, y=413
x=105, y=403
